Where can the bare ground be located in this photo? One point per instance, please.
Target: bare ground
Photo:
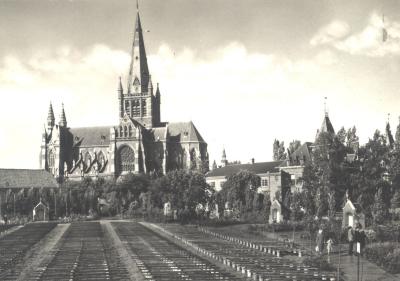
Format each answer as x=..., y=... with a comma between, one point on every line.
x=42, y=252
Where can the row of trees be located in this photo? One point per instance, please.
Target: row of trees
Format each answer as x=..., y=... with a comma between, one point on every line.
x=134, y=194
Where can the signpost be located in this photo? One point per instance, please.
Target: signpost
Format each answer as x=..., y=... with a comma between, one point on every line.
x=358, y=260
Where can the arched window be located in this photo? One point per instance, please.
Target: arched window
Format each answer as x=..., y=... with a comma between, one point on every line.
x=120, y=131
x=101, y=160
x=88, y=159
x=184, y=159
x=125, y=131
x=130, y=130
x=144, y=109
x=126, y=159
x=51, y=160
x=127, y=109
x=136, y=108
x=193, y=159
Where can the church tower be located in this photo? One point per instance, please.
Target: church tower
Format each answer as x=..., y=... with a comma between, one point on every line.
x=139, y=101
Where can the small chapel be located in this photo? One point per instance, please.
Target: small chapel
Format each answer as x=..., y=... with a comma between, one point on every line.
x=140, y=143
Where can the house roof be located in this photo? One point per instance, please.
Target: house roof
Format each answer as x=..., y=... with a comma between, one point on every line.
x=326, y=126
x=88, y=136
x=24, y=178
x=256, y=168
x=184, y=131
x=159, y=133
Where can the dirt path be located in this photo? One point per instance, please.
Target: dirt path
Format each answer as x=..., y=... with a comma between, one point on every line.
x=123, y=252
x=42, y=252
x=10, y=230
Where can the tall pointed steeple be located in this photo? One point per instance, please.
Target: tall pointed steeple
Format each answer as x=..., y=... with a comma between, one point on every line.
x=63, y=119
x=138, y=76
x=326, y=126
x=224, y=162
x=50, y=118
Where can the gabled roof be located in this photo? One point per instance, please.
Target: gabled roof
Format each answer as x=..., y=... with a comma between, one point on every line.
x=256, y=168
x=90, y=136
x=24, y=178
x=184, y=131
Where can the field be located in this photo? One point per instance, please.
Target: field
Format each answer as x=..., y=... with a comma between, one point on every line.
x=128, y=250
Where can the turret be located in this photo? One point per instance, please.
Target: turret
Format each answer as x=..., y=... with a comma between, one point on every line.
x=224, y=162
x=50, y=118
x=63, y=119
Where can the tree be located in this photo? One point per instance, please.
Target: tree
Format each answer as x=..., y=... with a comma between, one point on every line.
x=293, y=146
x=240, y=189
x=379, y=211
x=279, y=152
x=352, y=138
x=341, y=135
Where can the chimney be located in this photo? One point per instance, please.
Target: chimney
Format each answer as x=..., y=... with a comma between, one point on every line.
x=252, y=160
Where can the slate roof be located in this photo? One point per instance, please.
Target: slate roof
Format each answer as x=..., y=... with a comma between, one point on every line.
x=24, y=178
x=326, y=126
x=91, y=136
x=184, y=131
x=256, y=168
x=159, y=133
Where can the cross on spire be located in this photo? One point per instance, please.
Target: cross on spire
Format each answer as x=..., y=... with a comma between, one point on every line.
x=325, y=106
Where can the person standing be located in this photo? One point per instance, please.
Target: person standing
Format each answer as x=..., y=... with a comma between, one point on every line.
x=329, y=247
x=350, y=238
x=357, y=237
x=320, y=241
x=362, y=238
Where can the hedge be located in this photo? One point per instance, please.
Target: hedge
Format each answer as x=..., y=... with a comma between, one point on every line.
x=386, y=255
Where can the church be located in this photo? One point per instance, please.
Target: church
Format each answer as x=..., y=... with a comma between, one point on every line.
x=140, y=143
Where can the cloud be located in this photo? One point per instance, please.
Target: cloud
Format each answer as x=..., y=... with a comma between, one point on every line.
x=367, y=42
x=330, y=33
x=238, y=99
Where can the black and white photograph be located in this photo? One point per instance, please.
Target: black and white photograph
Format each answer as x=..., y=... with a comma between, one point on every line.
x=169, y=140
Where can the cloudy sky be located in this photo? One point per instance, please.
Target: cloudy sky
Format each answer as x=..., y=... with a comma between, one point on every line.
x=245, y=72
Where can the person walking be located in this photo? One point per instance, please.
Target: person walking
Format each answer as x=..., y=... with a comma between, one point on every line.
x=350, y=239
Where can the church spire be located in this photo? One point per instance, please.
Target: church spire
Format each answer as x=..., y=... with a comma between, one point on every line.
x=138, y=76
x=63, y=119
x=50, y=118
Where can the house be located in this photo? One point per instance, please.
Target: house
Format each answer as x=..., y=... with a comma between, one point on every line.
x=278, y=212
x=352, y=215
x=269, y=172
x=40, y=212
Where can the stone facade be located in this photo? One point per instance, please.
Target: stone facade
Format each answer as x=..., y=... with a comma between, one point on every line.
x=140, y=143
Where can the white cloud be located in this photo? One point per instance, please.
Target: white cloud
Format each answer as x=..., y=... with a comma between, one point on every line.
x=367, y=42
x=330, y=33
x=237, y=99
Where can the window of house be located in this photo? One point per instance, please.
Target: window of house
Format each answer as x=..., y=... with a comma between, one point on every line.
x=221, y=184
x=264, y=182
x=212, y=184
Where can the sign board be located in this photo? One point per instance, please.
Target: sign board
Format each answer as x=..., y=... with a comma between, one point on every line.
x=358, y=247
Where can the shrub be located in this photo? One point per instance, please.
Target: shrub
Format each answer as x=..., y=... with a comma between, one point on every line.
x=386, y=255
